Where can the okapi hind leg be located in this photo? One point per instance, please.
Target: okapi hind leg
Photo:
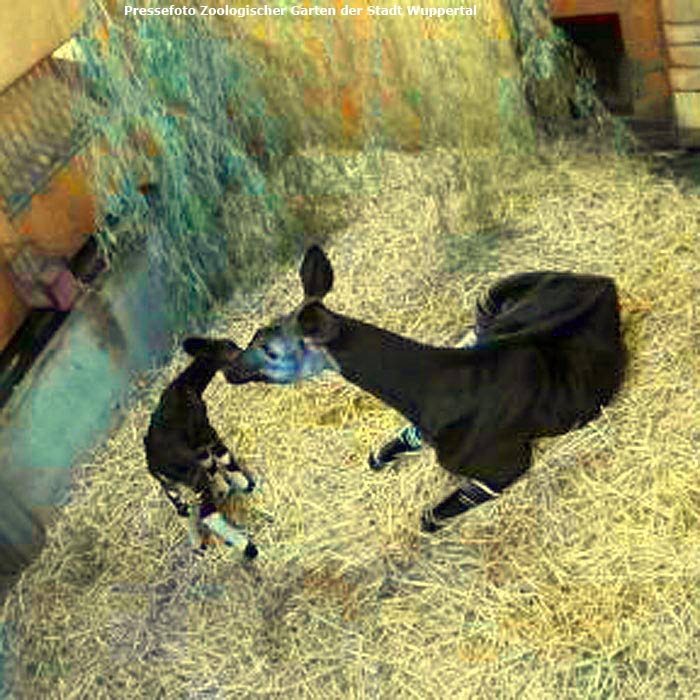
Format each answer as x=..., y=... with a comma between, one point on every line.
x=174, y=494
x=408, y=440
x=233, y=535
x=505, y=462
x=469, y=495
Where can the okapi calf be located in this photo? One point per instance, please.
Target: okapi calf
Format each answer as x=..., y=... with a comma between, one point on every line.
x=548, y=355
x=182, y=447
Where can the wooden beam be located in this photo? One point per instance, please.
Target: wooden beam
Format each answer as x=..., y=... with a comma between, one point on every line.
x=685, y=56
x=684, y=79
x=682, y=33
x=687, y=109
x=576, y=8
x=30, y=30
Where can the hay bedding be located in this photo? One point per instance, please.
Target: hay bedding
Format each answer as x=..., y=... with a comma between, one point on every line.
x=581, y=582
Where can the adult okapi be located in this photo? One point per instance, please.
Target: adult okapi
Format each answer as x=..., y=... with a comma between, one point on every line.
x=182, y=447
x=548, y=354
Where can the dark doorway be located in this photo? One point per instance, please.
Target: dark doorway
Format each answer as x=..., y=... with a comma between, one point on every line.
x=601, y=38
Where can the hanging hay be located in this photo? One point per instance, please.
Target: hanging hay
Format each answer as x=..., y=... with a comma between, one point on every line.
x=409, y=82
x=581, y=582
x=192, y=161
x=180, y=125
x=558, y=78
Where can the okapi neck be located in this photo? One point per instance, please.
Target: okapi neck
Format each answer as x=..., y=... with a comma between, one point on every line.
x=198, y=375
x=397, y=370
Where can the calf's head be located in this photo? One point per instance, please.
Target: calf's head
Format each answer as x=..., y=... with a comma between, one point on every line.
x=293, y=347
x=222, y=355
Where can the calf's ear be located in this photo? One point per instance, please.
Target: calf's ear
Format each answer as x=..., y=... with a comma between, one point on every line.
x=195, y=346
x=318, y=323
x=316, y=273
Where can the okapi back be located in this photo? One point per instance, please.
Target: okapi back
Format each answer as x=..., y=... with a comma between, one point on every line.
x=552, y=357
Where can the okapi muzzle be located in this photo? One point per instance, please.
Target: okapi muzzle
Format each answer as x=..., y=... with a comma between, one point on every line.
x=284, y=355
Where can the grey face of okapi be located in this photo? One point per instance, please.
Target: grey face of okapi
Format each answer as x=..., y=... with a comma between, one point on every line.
x=291, y=349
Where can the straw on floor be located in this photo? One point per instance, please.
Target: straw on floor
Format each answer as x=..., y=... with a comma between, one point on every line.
x=581, y=582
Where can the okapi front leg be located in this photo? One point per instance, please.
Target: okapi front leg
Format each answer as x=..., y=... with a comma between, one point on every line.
x=239, y=478
x=408, y=440
x=471, y=494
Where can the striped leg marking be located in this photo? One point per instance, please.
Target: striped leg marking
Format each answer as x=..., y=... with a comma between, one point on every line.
x=239, y=479
x=233, y=535
x=174, y=494
x=469, y=495
x=408, y=440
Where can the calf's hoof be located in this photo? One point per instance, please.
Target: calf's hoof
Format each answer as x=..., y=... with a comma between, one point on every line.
x=251, y=486
x=374, y=463
x=183, y=510
x=250, y=551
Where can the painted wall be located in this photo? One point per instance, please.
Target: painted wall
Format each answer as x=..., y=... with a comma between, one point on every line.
x=57, y=223
x=68, y=402
x=31, y=30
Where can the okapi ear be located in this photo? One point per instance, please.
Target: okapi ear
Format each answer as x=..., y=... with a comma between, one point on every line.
x=318, y=323
x=316, y=273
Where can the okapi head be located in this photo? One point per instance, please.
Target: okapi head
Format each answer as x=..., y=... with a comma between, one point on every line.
x=214, y=355
x=292, y=348
x=397, y=370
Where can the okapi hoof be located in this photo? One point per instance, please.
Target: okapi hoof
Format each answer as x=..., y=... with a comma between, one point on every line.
x=250, y=551
x=428, y=522
x=374, y=463
x=251, y=486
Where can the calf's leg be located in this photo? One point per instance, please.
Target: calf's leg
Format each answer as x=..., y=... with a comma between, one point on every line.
x=225, y=459
x=174, y=494
x=233, y=535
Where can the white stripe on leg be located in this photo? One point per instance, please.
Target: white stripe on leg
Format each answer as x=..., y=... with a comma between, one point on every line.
x=225, y=459
x=238, y=480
